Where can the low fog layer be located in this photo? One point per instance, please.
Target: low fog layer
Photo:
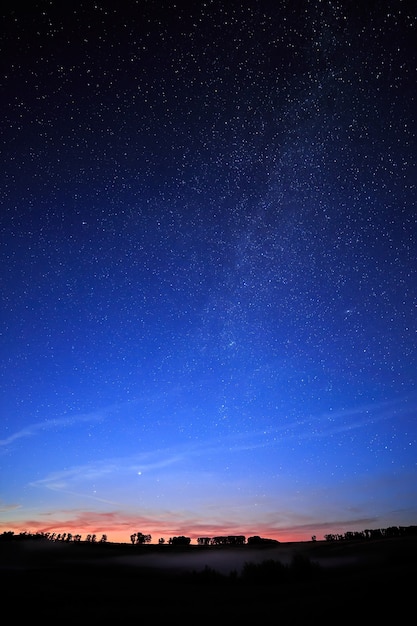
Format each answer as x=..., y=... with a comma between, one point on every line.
x=223, y=561
x=220, y=559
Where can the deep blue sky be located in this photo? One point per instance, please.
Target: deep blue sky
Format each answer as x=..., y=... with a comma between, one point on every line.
x=208, y=267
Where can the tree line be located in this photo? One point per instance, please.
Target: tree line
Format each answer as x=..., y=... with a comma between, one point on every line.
x=51, y=536
x=375, y=533
x=234, y=540
x=228, y=540
x=140, y=538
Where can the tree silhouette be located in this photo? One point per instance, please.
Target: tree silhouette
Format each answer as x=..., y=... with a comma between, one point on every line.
x=256, y=540
x=180, y=541
x=266, y=571
x=204, y=541
x=140, y=538
x=229, y=540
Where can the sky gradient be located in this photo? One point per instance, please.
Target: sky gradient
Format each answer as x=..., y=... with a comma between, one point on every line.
x=208, y=268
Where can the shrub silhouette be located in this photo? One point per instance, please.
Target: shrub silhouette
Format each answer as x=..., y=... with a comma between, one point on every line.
x=272, y=571
x=207, y=575
x=302, y=568
x=266, y=571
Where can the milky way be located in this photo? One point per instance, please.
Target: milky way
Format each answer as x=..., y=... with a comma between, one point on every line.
x=208, y=252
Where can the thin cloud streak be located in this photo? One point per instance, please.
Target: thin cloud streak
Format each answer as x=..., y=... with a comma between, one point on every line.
x=384, y=409
x=61, y=480
x=4, y=508
x=64, y=422
x=345, y=420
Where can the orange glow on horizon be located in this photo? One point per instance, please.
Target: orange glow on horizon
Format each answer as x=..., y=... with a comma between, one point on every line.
x=119, y=526
x=115, y=534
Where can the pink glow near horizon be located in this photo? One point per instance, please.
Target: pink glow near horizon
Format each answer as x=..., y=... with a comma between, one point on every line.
x=120, y=530
x=118, y=526
x=116, y=534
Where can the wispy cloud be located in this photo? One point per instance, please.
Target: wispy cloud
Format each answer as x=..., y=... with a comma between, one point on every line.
x=339, y=421
x=55, y=424
x=4, y=508
x=73, y=480
x=343, y=420
x=313, y=426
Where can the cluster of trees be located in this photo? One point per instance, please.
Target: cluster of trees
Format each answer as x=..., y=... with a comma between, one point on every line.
x=230, y=540
x=179, y=541
x=376, y=533
x=256, y=541
x=140, y=538
x=234, y=540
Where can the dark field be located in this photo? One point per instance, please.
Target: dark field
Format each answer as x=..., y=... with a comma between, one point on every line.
x=362, y=582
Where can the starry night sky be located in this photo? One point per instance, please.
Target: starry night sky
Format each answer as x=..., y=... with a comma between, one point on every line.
x=208, y=267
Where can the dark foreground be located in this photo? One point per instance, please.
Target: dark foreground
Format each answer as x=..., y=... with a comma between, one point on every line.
x=320, y=583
